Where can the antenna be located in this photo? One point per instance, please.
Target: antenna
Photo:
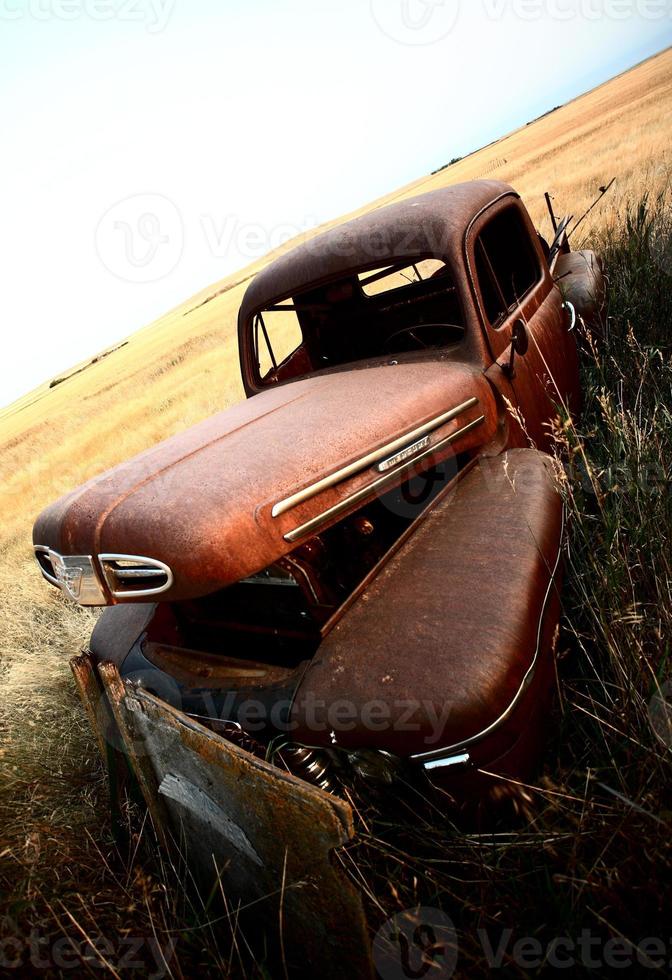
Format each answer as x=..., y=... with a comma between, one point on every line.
x=603, y=191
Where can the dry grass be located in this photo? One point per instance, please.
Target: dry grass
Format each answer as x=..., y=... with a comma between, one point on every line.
x=54, y=842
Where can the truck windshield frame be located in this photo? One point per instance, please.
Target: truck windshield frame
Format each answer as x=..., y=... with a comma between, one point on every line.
x=403, y=306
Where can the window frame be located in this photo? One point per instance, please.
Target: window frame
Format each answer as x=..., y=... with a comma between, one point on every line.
x=259, y=331
x=259, y=384
x=498, y=335
x=507, y=308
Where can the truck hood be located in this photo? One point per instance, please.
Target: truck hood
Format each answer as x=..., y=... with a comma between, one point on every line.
x=230, y=496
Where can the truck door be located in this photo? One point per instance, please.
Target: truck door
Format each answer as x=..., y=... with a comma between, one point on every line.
x=513, y=282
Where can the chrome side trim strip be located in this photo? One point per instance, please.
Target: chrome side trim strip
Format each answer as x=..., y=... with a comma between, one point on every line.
x=440, y=754
x=409, y=452
x=361, y=464
x=377, y=485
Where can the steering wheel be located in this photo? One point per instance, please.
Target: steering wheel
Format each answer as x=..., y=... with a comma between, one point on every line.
x=423, y=336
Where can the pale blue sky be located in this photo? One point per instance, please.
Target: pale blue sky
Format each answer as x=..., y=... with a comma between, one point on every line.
x=221, y=129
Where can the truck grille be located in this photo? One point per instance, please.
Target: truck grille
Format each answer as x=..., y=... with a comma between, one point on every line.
x=129, y=575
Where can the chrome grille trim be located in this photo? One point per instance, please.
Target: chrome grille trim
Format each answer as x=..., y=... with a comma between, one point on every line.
x=370, y=459
x=145, y=568
x=377, y=485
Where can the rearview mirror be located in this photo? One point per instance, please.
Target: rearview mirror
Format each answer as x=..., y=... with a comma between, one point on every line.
x=520, y=341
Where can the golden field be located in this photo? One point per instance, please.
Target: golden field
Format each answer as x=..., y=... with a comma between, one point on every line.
x=170, y=375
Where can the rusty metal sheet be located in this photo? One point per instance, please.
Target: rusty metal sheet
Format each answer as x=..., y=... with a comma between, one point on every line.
x=227, y=473
x=446, y=598
x=266, y=835
x=92, y=698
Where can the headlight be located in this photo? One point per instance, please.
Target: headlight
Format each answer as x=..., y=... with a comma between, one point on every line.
x=75, y=576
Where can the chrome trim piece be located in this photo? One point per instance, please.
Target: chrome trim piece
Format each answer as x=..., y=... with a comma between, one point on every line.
x=361, y=464
x=152, y=565
x=377, y=485
x=128, y=574
x=43, y=550
x=571, y=309
x=403, y=455
x=75, y=576
x=451, y=760
x=438, y=754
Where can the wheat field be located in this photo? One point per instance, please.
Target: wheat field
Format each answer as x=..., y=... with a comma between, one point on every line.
x=171, y=375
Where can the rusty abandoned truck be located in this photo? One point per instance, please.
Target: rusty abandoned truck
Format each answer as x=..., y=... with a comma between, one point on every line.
x=359, y=565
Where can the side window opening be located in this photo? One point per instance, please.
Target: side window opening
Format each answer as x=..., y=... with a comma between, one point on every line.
x=277, y=335
x=506, y=264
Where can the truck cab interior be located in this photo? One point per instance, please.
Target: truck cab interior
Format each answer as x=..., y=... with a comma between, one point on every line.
x=403, y=308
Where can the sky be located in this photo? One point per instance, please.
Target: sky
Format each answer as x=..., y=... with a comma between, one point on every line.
x=151, y=147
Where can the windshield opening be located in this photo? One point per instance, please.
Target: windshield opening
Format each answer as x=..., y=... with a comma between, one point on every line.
x=411, y=305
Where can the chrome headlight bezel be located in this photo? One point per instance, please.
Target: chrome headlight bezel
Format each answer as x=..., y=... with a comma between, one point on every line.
x=75, y=575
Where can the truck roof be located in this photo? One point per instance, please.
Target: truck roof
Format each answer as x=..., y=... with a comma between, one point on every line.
x=432, y=224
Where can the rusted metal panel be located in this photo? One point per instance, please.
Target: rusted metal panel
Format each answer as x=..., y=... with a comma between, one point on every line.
x=134, y=749
x=433, y=223
x=93, y=699
x=469, y=621
x=266, y=836
x=282, y=441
